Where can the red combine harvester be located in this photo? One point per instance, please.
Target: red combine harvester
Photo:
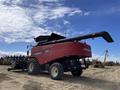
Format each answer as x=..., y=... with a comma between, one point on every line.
x=57, y=55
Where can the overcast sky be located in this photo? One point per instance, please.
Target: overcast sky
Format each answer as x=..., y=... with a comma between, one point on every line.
x=22, y=20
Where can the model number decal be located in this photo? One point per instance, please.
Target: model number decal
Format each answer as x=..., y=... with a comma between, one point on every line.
x=38, y=53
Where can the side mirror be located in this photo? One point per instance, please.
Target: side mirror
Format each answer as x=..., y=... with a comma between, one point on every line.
x=27, y=46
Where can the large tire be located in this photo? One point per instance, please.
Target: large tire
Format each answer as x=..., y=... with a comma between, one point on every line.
x=77, y=73
x=33, y=67
x=56, y=71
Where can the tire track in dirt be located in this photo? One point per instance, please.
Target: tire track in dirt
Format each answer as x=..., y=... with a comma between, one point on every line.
x=33, y=85
x=4, y=77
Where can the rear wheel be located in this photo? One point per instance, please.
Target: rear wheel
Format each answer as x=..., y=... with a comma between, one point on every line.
x=76, y=73
x=56, y=71
x=33, y=67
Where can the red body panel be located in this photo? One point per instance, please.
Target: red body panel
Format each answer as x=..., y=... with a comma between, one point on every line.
x=47, y=53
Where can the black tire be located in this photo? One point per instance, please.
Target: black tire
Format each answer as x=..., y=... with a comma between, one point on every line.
x=33, y=67
x=8, y=69
x=77, y=73
x=56, y=71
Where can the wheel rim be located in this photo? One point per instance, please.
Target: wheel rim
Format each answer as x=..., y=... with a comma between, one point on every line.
x=54, y=71
x=31, y=67
x=13, y=64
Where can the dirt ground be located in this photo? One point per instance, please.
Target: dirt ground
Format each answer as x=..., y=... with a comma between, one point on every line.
x=92, y=79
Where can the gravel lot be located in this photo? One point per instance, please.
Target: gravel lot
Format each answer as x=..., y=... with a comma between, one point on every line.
x=92, y=79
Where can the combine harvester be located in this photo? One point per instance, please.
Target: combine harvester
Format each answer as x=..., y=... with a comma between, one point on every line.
x=57, y=55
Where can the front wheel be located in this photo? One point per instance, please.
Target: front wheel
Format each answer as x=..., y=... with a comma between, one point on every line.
x=13, y=64
x=56, y=71
x=33, y=67
x=76, y=73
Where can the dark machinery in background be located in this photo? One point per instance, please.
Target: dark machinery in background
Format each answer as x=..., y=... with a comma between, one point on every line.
x=57, y=55
x=18, y=62
x=99, y=64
